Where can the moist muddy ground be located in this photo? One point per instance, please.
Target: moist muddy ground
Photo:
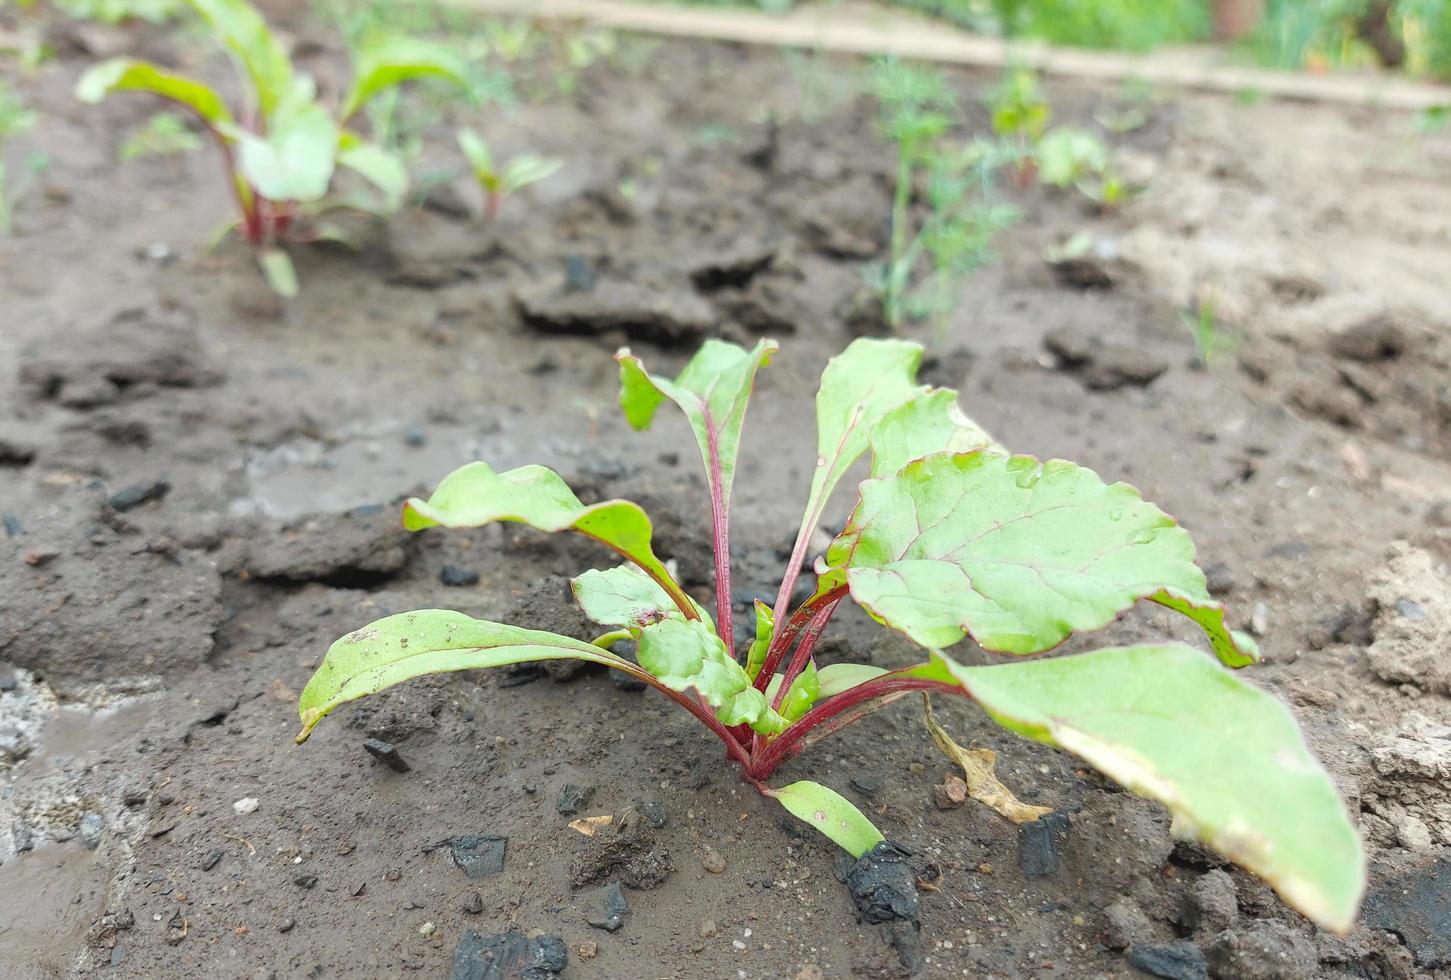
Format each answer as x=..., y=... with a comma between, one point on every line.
x=200, y=491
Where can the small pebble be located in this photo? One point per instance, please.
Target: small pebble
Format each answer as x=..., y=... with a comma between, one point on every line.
x=91, y=827
x=286, y=925
x=247, y=804
x=474, y=904
x=426, y=930
x=414, y=436
x=138, y=494
x=458, y=578
x=712, y=860
x=708, y=929
x=1259, y=620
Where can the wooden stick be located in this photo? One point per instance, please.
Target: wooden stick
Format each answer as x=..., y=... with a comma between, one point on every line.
x=867, y=30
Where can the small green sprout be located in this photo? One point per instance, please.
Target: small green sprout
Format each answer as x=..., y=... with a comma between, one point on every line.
x=951, y=537
x=1210, y=342
x=1020, y=116
x=963, y=218
x=499, y=185
x=282, y=146
x=165, y=134
x=15, y=118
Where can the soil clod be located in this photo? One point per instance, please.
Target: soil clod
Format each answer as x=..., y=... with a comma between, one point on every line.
x=508, y=956
x=1262, y=951
x=606, y=907
x=573, y=798
x=1172, y=961
x=479, y=855
x=458, y=578
x=1040, y=844
x=1415, y=907
x=883, y=885
x=386, y=753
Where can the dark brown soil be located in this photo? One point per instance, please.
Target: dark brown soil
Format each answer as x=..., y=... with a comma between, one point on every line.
x=160, y=633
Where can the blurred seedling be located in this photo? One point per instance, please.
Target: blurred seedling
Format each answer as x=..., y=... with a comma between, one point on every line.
x=15, y=118
x=1211, y=342
x=282, y=146
x=500, y=184
x=1020, y=117
x=165, y=134
x=962, y=218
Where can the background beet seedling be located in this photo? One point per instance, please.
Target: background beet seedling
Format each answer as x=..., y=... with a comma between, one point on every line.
x=282, y=147
x=951, y=536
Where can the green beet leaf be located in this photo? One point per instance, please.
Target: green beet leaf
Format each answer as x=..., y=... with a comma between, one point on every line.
x=130, y=75
x=262, y=57
x=835, y=679
x=429, y=641
x=384, y=170
x=1018, y=553
x=930, y=423
x=1227, y=759
x=278, y=270
x=803, y=693
x=625, y=596
x=296, y=159
x=830, y=813
x=858, y=388
x=394, y=60
x=712, y=390
x=474, y=495
x=687, y=655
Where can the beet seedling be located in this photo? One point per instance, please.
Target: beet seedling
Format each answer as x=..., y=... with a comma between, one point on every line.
x=498, y=185
x=283, y=146
x=1020, y=116
x=951, y=537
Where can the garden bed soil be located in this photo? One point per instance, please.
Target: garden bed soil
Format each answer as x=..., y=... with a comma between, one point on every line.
x=200, y=487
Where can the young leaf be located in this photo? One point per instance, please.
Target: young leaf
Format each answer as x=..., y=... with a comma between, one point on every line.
x=805, y=690
x=529, y=168
x=624, y=596
x=481, y=161
x=765, y=631
x=930, y=423
x=245, y=33
x=392, y=61
x=295, y=160
x=278, y=270
x=1017, y=553
x=685, y=655
x=1226, y=758
x=474, y=495
x=382, y=169
x=712, y=390
x=833, y=679
x=428, y=641
x=830, y=813
x=130, y=75
x=859, y=386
